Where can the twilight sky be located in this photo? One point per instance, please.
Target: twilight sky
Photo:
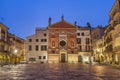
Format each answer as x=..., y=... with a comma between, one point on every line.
x=23, y=16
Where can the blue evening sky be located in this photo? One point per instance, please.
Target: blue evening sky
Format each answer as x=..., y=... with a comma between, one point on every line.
x=23, y=16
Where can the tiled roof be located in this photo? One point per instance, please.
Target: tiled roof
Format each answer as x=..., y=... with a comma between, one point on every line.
x=62, y=24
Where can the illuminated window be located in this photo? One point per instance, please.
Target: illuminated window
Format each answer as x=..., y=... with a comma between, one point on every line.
x=32, y=59
x=53, y=43
x=79, y=40
x=87, y=48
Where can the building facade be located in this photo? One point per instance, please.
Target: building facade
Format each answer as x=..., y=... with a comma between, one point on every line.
x=4, y=45
x=11, y=47
x=61, y=45
x=112, y=35
x=16, y=48
x=37, y=45
x=98, y=44
x=84, y=44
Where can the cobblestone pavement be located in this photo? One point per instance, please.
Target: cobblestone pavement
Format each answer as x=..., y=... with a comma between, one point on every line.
x=63, y=71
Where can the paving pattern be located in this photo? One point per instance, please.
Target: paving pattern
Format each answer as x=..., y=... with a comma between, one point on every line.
x=63, y=71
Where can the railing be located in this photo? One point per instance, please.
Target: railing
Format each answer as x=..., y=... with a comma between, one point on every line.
x=109, y=48
x=115, y=12
x=117, y=48
x=117, y=35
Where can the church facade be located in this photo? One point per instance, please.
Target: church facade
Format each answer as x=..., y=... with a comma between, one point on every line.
x=65, y=42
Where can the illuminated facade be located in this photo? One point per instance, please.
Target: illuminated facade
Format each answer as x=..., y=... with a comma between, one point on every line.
x=112, y=35
x=98, y=44
x=65, y=42
x=4, y=46
x=8, y=44
x=17, y=48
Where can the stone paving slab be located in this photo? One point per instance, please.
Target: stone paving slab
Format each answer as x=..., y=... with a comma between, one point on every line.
x=59, y=72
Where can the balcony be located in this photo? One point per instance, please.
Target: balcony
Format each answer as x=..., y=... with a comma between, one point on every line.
x=5, y=51
x=108, y=40
x=117, y=48
x=115, y=12
x=117, y=35
x=116, y=22
x=109, y=29
x=109, y=48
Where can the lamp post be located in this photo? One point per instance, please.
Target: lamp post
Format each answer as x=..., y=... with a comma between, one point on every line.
x=98, y=50
x=15, y=52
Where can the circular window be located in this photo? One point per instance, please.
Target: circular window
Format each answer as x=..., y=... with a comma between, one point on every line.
x=62, y=43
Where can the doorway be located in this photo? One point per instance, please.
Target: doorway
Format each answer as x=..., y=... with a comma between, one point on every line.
x=63, y=58
x=80, y=58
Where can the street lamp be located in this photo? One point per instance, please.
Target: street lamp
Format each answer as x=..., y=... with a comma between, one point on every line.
x=98, y=50
x=15, y=52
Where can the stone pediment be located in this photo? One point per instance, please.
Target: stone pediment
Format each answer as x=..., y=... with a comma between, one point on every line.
x=62, y=24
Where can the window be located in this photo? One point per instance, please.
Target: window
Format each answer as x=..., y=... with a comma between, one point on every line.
x=30, y=47
x=37, y=40
x=80, y=48
x=87, y=48
x=53, y=43
x=40, y=57
x=79, y=40
x=87, y=41
x=62, y=43
x=30, y=40
x=72, y=44
x=44, y=57
x=78, y=34
x=36, y=47
x=45, y=40
x=45, y=34
x=82, y=34
x=32, y=59
x=41, y=40
x=2, y=47
x=43, y=48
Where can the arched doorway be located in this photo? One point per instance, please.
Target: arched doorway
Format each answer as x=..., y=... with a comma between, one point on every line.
x=80, y=58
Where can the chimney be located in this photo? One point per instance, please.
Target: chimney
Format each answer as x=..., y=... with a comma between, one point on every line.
x=49, y=21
